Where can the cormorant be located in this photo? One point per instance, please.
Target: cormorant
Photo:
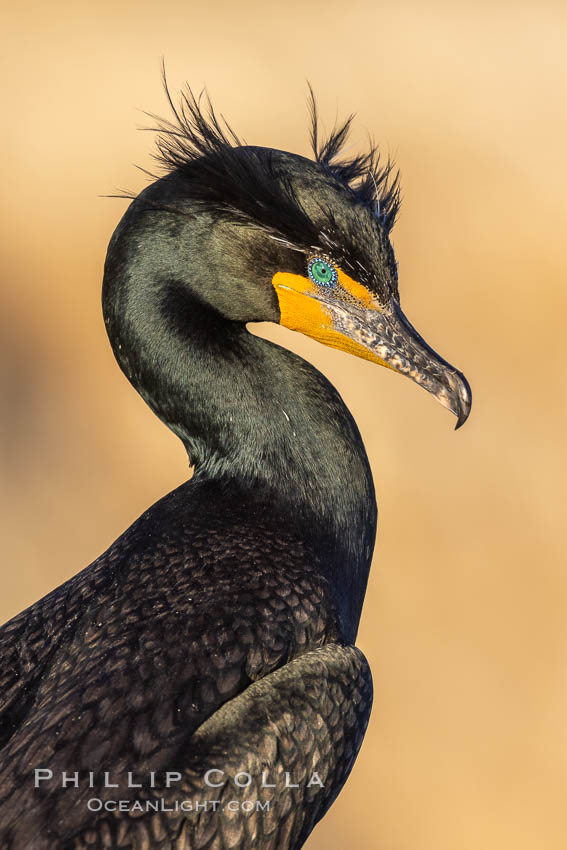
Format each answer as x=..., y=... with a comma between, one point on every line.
x=198, y=686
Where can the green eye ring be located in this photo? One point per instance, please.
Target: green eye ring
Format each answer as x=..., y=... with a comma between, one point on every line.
x=322, y=272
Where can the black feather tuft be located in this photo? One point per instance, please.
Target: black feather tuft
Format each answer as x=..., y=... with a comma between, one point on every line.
x=240, y=181
x=374, y=184
x=233, y=180
x=194, y=132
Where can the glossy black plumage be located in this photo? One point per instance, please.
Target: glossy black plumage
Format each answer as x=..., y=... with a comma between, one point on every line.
x=217, y=632
x=151, y=648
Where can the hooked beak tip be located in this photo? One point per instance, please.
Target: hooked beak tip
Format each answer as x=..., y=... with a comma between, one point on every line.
x=455, y=394
x=461, y=420
x=427, y=368
x=463, y=397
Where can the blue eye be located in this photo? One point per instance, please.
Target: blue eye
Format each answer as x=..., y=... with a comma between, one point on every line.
x=322, y=272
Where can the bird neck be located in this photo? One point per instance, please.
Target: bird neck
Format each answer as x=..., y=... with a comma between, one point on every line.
x=251, y=413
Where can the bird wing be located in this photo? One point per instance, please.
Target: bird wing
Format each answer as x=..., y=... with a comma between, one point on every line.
x=118, y=668
x=289, y=740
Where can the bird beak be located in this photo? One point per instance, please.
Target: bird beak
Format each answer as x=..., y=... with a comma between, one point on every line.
x=389, y=338
x=349, y=317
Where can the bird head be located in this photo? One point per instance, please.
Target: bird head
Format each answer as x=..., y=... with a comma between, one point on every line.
x=302, y=242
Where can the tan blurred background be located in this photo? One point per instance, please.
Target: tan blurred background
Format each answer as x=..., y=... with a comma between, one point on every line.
x=464, y=623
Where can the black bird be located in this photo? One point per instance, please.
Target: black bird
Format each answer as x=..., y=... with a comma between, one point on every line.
x=198, y=686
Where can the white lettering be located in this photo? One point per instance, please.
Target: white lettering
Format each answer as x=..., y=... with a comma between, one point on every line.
x=131, y=783
x=265, y=783
x=41, y=774
x=72, y=779
x=172, y=776
x=208, y=780
x=315, y=780
x=287, y=782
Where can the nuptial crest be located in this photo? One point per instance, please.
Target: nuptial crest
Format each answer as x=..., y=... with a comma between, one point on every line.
x=229, y=181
